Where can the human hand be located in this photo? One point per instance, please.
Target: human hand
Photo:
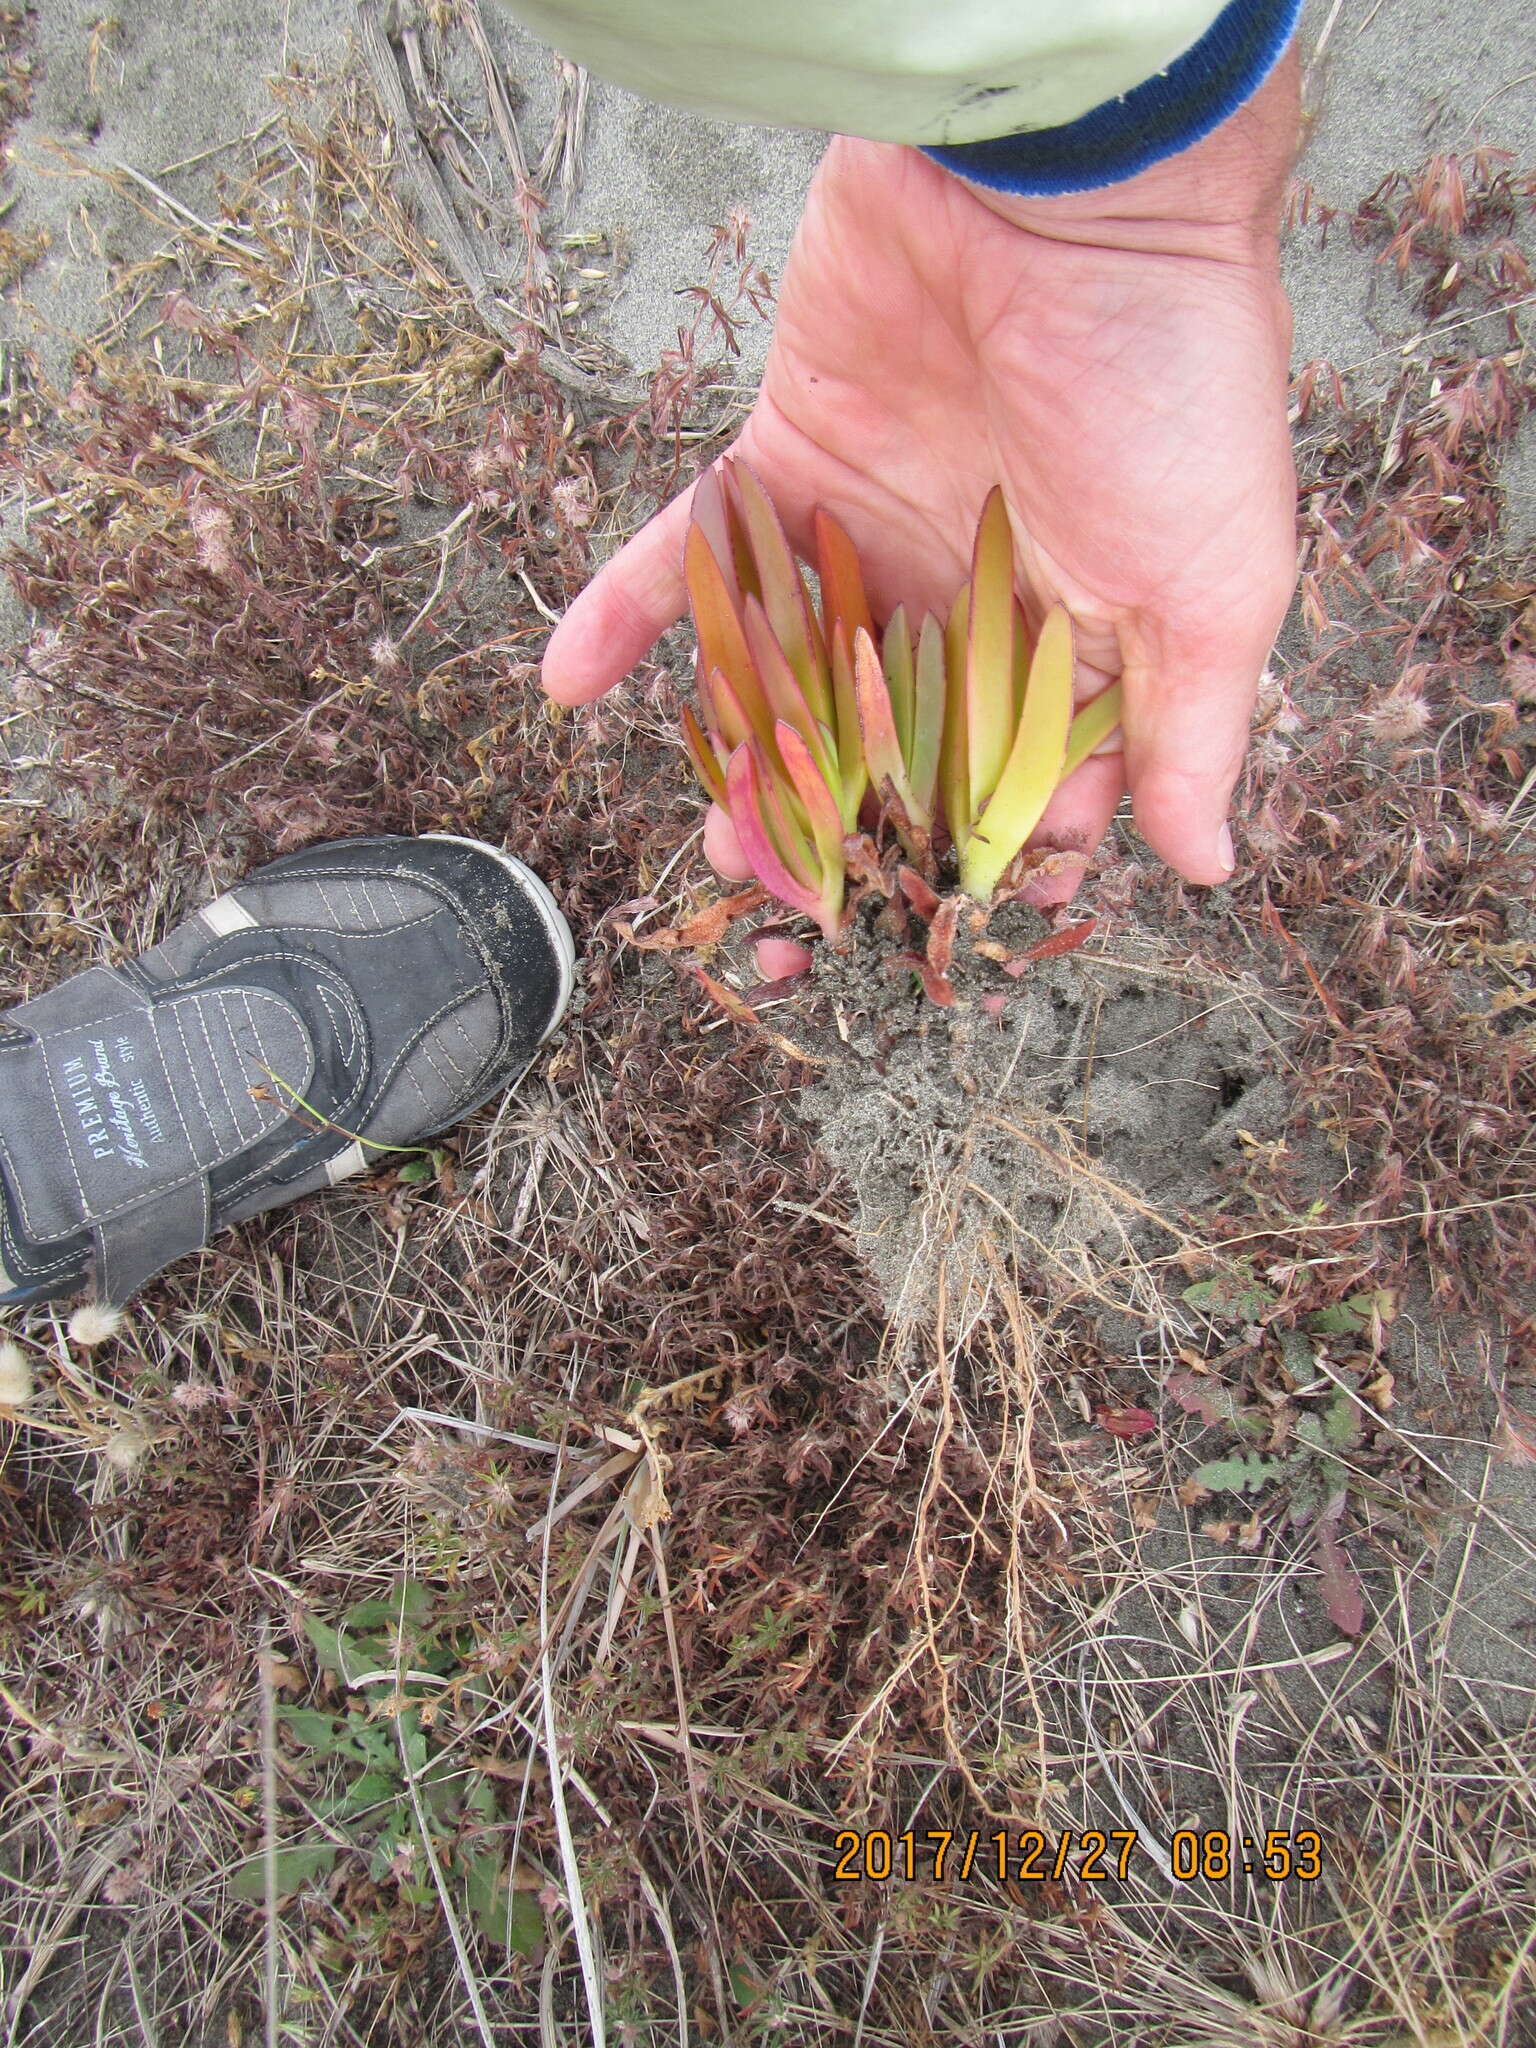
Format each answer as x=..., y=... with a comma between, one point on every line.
x=1118, y=361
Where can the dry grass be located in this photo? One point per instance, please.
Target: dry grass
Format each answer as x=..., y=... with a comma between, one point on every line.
x=292, y=571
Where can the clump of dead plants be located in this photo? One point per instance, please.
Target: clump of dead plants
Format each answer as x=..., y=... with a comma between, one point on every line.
x=290, y=590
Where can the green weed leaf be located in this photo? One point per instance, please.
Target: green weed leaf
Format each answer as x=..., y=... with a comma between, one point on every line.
x=1235, y=1297
x=1241, y=1475
x=297, y=1864
x=407, y=1601
x=316, y=1731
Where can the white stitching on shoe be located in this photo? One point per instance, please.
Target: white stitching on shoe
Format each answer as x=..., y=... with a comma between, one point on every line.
x=342, y=1024
x=427, y=1054
x=214, y=1061
x=427, y=1107
x=202, y=1101
x=448, y=1056
x=454, y=1003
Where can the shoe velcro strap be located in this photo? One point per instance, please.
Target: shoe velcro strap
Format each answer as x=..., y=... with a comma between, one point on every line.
x=119, y=1104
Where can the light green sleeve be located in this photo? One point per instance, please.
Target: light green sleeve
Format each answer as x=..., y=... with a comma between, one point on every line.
x=919, y=71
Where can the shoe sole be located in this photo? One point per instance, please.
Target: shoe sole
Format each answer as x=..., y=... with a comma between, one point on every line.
x=549, y=910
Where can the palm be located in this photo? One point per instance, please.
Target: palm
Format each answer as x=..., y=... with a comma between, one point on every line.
x=1132, y=405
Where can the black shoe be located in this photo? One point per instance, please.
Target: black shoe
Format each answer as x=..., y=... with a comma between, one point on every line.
x=356, y=997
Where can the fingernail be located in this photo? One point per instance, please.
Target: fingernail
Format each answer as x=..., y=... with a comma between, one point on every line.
x=1226, y=852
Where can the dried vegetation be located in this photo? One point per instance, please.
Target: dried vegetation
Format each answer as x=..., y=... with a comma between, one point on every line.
x=679, y=1564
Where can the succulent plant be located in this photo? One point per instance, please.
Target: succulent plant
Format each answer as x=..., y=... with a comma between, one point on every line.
x=813, y=721
x=1010, y=737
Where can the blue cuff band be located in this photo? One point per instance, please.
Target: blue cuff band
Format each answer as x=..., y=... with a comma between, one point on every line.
x=1155, y=120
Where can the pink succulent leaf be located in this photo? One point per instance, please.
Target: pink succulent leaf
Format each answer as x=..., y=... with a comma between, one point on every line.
x=744, y=785
x=876, y=716
x=782, y=586
x=708, y=513
x=781, y=690
x=816, y=799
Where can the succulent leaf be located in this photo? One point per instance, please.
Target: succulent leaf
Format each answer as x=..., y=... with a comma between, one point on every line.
x=705, y=761
x=877, y=717
x=928, y=700
x=1091, y=727
x=852, y=769
x=781, y=690
x=711, y=594
x=955, y=752
x=1034, y=764
x=800, y=710
x=989, y=682
x=746, y=794
x=785, y=599
x=816, y=799
x=900, y=677
x=842, y=580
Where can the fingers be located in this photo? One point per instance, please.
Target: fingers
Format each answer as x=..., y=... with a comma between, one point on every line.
x=622, y=612
x=1185, y=736
x=777, y=959
x=781, y=959
x=722, y=848
x=1075, y=820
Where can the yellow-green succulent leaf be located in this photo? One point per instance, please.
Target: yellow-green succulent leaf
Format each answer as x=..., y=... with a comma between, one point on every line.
x=928, y=696
x=1091, y=727
x=989, y=681
x=954, y=756
x=1034, y=766
x=896, y=663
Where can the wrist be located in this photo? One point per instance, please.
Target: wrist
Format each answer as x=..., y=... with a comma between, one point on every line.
x=1220, y=198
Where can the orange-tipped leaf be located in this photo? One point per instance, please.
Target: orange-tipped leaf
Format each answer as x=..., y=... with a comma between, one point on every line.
x=722, y=642
x=877, y=720
x=842, y=581
x=782, y=589
x=706, y=763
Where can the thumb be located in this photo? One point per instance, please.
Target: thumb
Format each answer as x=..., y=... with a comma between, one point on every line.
x=1185, y=736
x=623, y=611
